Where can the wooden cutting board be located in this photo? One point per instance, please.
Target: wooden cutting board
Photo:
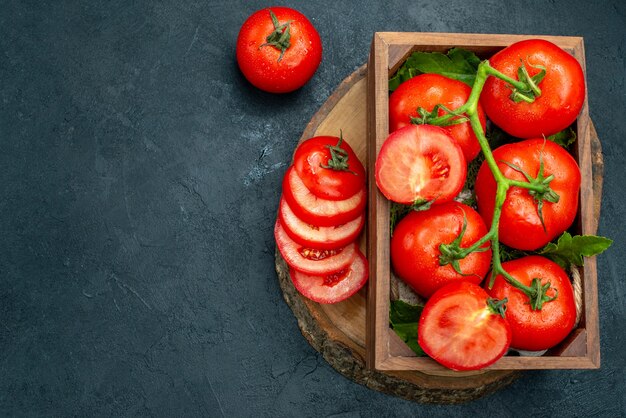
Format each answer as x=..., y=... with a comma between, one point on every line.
x=338, y=331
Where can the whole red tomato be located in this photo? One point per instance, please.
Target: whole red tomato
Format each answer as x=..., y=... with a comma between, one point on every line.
x=426, y=91
x=520, y=224
x=278, y=49
x=536, y=329
x=562, y=90
x=415, y=247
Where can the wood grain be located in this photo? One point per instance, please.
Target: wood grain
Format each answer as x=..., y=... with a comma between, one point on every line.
x=338, y=331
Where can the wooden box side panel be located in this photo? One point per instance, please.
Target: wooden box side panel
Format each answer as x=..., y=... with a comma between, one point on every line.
x=389, y=50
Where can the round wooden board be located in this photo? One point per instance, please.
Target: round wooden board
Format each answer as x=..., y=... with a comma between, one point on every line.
x=338, y=331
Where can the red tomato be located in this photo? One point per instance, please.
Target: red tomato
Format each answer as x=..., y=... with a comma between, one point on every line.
x=332, y=288
x=272, y=68
x=311, y=162
x=520, y=225
x=317, y=211
x=428, y=90
x=562, y=90
x=310, y=260
x=322, y=237
x=415, y=247
x=420, y=163
x=458, y=330
x=542, y=329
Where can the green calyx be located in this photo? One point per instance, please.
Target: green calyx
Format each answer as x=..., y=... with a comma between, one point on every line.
x=530, y=91
x=451, y=117
x=452, y=253
x=538, y=188
x=497, y=306
x=537, y=294
x=338, y=157
x=280, y=38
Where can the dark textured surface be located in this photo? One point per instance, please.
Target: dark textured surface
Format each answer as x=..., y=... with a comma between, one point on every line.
x=139, y=178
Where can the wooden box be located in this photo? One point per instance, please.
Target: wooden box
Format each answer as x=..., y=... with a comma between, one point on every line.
x=385, y=351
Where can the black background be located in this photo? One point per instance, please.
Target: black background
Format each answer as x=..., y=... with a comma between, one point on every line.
x=139, y=180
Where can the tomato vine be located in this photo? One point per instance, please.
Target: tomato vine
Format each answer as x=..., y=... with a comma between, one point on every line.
x=540, y=187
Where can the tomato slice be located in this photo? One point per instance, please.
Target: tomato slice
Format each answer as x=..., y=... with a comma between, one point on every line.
x=311, y=260
x=315, y=210
x=324, y=182
x=332, y=288
x=420, y=163
x=322, y=237
x=459, y=331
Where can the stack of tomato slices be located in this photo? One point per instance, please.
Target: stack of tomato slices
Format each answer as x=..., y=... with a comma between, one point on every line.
x=321, y=215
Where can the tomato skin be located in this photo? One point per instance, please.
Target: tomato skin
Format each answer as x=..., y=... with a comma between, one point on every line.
x=420, y=162
x=562, y=90
x=415, y=247
x=317, y=211
x=543, y=329
x=323, y=182
x=458, y=330
x=520, y=225
x=332, y=288
x=292, y=252
x=322, y=237
x=260, y=65
x=428, y=90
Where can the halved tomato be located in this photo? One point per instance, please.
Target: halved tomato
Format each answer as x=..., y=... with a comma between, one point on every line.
x=311, y=260
x=329, y=168
x=323, y=237
x=420, y=163
x=459, y=330
x=315, y=210
x=332, y=288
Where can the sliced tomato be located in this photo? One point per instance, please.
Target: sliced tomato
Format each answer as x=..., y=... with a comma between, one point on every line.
x=420, y=163
x=323, y=237
x=312, y=162
x=311, y=260
x=315, y=210
x=332, y=288
x=459, y=330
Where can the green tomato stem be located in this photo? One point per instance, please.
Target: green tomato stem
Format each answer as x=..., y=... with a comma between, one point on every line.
x=470, y=108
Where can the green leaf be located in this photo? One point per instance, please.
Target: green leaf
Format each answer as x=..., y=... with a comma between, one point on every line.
x=571, y=249
x=397, y=211
x=403, y=319
x=457, y=64
x=565, y=138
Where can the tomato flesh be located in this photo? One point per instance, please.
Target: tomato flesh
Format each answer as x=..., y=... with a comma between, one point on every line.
x=458, y=330
x=317, y=211
x=324, y=237
x=335, y=287
x=312, y=260
x=427, y=91
x=536, y=330
x=420, y=163
x=309, y=160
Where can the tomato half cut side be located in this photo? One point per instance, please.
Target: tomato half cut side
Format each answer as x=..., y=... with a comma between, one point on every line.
x=311, y=162
x=420, y=163
x=317, y=211
x=310, y=260
x=458, y=330
x=332, y=288
x=322, y=237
